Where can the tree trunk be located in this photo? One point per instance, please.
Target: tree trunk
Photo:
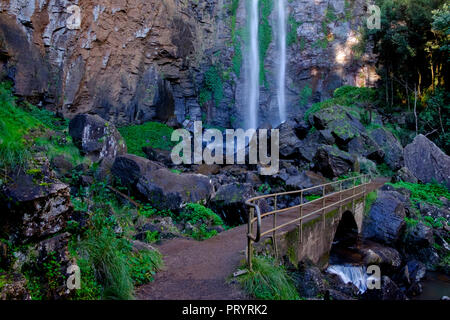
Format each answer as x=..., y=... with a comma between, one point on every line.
x=415, y=109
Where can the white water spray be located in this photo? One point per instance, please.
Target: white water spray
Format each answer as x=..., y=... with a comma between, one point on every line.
x=281, y=44
x=254, y=65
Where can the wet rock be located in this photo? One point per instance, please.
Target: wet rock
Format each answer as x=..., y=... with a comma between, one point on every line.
x=332, y=162
x=95, y=137
x=229, y=202
x=393, y=150
x=381, y=255
x=427, y=162
x=165, y=189
x=103, y=172
x=415, y=271
x=336, y=295
x=419, y=235
x=389, y=291
x=385, y=222
x=310, y=282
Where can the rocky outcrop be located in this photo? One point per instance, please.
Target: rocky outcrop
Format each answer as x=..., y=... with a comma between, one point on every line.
x=139, y=60
x=168, y=190
x=385, y=222
x=160, y=186
x=332, y=162
x=405, y=175
x=34, y=206
x=95, y=137
x=229, y=202
x=393, y=150
x=427, y=162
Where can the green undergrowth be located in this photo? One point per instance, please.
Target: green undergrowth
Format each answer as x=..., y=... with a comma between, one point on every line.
x=370, y=200
x=153, y=134
x=197, y=214
x=346, y=96
x=110, y=267
x=268, y=281
x=24, y=127
x=429, y=193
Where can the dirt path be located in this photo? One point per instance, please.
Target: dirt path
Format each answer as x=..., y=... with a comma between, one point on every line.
x=198, y=270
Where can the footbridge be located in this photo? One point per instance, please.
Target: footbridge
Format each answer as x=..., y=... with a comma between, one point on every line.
x=307, y=229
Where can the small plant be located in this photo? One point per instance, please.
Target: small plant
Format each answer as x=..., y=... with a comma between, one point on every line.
x=268, y=281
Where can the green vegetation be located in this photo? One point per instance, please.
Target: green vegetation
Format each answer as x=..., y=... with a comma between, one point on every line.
x=105, y=256
x=413, y=47
x=346, y=96
x=305, y=95
x=265, y=188
x=429, y=193
x=201, y=217
x=370, y=199
x=212, y=87
x=265, y=35
x=15, y=123
x=24, y=127
x=153, y=134
x=236, y=36
x=268, y=280
x=292, y=37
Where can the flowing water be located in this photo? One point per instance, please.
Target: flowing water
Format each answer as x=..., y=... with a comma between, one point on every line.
x=351, y=274
x=253, y=59
x=281, y=46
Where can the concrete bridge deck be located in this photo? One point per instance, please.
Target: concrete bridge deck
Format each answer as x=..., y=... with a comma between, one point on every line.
x=198, y=270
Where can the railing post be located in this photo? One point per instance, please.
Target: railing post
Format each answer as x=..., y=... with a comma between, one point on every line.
x=300, y=232
x=353, y=197
x=274, y=226
x=340, y=197
x=249, y=243
x=323, y=205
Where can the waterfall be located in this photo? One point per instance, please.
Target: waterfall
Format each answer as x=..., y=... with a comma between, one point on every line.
x=254, y=64
x=281, y=46
x=350, y=273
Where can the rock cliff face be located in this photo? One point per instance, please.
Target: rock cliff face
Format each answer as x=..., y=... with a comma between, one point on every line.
x=138, y=60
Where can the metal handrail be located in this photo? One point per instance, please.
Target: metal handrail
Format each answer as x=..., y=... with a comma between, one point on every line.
x=254, y=207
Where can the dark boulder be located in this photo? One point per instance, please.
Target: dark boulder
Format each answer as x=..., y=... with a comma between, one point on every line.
x=129, y=168
x=389, y=291
x=405, y=175
x=427, y=162
x=385, y=222
x=158, y=155
x=310, y=282
x=393, y=150
x=168, y=190
x=332, y=162
x=304, y=180
x=95, y=137
x=33, y=207
x=229, y=202
x=289, y=142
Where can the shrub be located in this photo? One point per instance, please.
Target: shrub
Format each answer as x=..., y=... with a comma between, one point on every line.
x=268, y=281
x=429, y=193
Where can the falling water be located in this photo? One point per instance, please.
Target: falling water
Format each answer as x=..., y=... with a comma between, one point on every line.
x=281, y=44
x=254, y=64
x=351, y=274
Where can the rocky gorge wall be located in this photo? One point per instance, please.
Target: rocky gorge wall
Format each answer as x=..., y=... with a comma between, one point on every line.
x=138, y=60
